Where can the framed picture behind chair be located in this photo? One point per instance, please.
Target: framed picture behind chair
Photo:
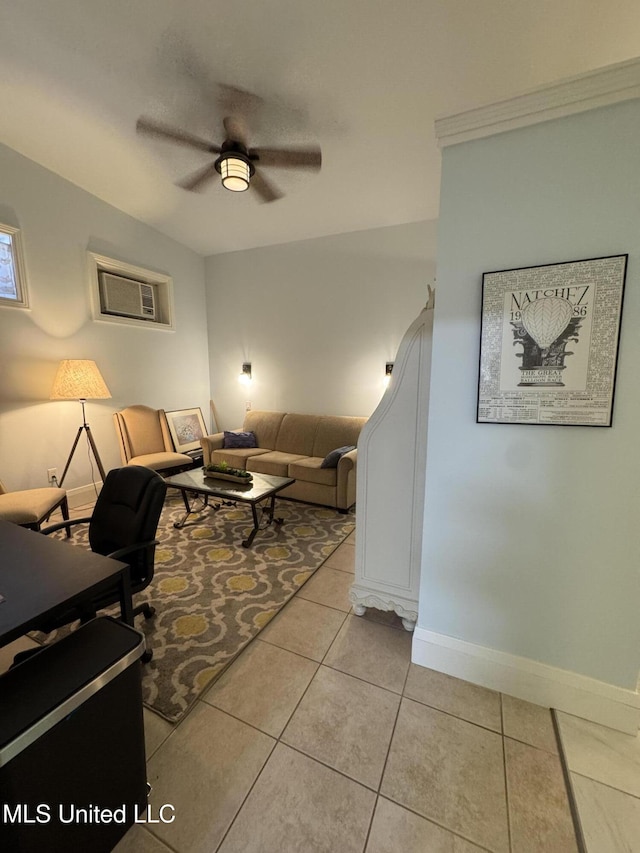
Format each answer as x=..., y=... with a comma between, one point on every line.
x=186, y=427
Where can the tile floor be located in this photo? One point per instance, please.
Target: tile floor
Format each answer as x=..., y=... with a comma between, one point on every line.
x=322, y=736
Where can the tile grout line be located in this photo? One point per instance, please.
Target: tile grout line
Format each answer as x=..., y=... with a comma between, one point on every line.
x=504, y=769
x=393, y=730
x=373, y=814
x=277, y=740
x=157, y=839
x=573, y=804
x=379, y=793
x=605, y=784
x=251, y=787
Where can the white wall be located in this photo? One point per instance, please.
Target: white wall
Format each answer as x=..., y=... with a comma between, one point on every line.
x=531, y=534
x=59, y=223
x=317, y=319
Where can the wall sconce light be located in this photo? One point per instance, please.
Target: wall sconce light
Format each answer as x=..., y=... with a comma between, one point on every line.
x=388, y=370
x=245, y=373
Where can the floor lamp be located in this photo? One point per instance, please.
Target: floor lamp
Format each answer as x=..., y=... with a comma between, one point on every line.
x=80, y=379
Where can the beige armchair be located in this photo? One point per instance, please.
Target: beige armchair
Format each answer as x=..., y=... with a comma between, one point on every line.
x=31, y=507
x=144, y=439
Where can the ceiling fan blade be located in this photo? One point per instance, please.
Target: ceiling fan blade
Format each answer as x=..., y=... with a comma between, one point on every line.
x=288, y=158
x=236, y=129
x=231, y=99
x=155, y=128
x=197, y=180
x=264, y=188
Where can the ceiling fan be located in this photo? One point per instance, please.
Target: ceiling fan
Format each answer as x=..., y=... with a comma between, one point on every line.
x=236, y=162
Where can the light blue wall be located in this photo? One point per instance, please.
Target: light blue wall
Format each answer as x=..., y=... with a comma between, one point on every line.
x=318, y=319
x=59, y=223
x=531, y=533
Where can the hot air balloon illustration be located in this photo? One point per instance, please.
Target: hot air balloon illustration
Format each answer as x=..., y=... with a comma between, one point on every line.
x=546, y=319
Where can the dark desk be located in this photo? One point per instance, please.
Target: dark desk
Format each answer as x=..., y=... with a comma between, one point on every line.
x=41, y=576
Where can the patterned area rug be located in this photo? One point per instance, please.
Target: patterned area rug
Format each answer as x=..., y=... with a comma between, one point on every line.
x=212, y=596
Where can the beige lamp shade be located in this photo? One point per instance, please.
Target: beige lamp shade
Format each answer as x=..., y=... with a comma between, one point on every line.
x=79, y=379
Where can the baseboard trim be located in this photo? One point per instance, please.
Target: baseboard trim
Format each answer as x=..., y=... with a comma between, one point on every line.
x=83, y=494
x=530, y=680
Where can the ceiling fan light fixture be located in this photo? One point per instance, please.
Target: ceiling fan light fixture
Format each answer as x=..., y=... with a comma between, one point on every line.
x=235, y=171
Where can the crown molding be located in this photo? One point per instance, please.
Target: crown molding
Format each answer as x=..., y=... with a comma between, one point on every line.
x=609, y=85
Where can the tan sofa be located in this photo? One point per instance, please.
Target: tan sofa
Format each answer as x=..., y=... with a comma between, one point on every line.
x=292, y=445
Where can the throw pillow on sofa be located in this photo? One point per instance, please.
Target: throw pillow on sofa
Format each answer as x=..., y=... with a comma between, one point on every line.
x=331, y=459
x=239, y=439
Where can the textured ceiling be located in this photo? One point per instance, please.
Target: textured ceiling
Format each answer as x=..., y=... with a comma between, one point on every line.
x=363, y=78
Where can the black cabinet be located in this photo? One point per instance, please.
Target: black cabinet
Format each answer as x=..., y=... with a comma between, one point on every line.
x=72, y=756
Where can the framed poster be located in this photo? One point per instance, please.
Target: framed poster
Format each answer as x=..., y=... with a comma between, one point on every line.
x=549, y=343
x=187, y=427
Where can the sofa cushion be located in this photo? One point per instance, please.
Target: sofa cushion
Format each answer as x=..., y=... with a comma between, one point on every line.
x=239, y=439
x=236, y=457
x=336, y=431
x=265, y=425
x=273, y=462
x=297, y=434
x=310, y=470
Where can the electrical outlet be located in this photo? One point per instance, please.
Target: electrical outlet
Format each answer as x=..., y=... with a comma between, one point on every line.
x=247, y=406
x=51, y=473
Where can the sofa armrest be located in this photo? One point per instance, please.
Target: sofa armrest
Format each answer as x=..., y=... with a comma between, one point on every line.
x=346, y=480
x=209, y=444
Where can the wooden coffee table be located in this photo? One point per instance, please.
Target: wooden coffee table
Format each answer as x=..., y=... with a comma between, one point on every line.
x=264, y=487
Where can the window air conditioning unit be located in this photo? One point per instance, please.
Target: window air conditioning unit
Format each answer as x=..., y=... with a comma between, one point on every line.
x=127, y=297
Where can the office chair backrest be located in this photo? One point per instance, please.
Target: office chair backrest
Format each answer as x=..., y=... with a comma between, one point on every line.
x=127, y=512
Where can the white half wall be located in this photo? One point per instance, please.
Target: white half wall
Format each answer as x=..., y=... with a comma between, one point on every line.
x=317, y=319
x=531, y=534
x=59, y=224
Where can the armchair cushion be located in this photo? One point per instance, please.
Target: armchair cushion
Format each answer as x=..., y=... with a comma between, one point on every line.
x=163, y=461
x=144, y=440
x=31, y=505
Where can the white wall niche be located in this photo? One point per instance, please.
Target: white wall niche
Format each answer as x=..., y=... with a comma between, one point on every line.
x=162, y=286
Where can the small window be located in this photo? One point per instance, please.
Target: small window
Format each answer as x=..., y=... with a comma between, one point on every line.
x=13, y=287
x=122, y=293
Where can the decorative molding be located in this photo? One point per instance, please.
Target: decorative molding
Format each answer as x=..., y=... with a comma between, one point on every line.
x=609, y=85
x=361, y=599
x=530, y=680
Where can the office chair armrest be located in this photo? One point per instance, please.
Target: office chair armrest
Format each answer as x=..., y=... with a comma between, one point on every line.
x=60, y=524
x=129, y=549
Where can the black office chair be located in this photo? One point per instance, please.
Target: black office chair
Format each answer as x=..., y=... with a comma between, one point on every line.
x=123, y=526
